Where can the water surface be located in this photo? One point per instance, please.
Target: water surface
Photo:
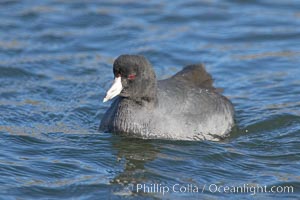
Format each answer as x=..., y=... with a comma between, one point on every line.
x=56, y=64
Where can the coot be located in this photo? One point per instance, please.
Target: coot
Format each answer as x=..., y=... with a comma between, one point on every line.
x=183, y=107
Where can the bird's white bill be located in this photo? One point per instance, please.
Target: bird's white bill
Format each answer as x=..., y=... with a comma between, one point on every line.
x=115, y=89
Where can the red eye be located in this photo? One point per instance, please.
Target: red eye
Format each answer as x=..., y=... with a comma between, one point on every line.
x=131, y=76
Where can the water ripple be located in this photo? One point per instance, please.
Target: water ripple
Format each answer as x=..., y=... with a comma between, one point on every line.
x=55, y=66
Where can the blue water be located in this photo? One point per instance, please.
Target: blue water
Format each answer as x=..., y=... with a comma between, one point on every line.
x=56, y=64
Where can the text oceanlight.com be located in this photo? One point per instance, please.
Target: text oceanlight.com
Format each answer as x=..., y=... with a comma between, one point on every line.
x=251, y=189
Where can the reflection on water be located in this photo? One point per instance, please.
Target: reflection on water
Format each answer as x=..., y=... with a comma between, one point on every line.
x=56, y=64
x=133, y=159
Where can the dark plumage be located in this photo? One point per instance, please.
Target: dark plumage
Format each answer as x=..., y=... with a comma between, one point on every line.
x=183, y=107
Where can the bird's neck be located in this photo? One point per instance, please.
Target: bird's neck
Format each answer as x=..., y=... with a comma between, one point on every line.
x=147, y=101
